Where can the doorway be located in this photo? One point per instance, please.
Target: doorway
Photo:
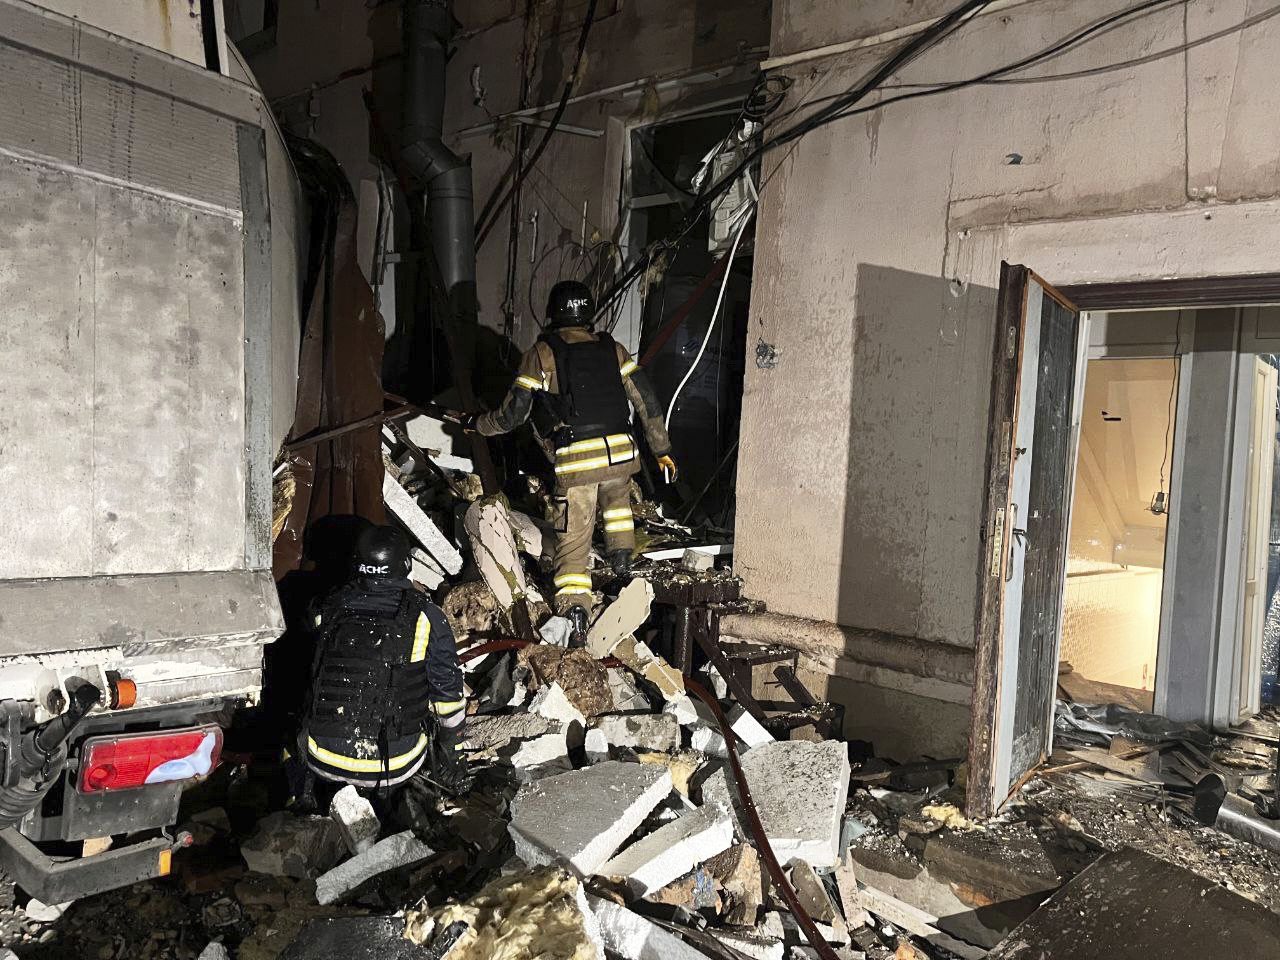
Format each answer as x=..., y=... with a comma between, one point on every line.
x=1119, y=521
x=1130, y=499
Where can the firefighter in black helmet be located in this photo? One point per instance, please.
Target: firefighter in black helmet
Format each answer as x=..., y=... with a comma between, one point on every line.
x=386, y=687
x=580, y=387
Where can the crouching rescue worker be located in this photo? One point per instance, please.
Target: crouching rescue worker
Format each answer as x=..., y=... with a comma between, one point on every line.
x=386, y=692
x=580, y=387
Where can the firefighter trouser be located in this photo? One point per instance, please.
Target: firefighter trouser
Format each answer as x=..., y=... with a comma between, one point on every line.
x=574, y=526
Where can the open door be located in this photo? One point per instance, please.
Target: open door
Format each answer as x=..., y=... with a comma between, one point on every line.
x=1031, y=442
x=1257, y=535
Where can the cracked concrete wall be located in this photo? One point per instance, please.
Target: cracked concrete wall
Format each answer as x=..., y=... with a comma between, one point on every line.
x=878, y=252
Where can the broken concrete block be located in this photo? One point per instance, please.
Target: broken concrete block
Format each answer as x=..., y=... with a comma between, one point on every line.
x=494, y=547
x=550, y=702
x=285, y=845
x=672, y=850
x=405, y=509
x=684, y=708
x=580, y=818
x=557, y=631
x=850, y=901
x=800, y=789
x=747, y=728
x=355, y=819
x=658, y=732
x=738, y=871
x=491, y=730
x=627, y=697
x=751, y=945
x=542, y=755
x=709, y=741
x=596, y=745
x=621, y=618
x=633, y=937
x=398, y=850
x=812, y=892
x=214, y=951
x=42, y=912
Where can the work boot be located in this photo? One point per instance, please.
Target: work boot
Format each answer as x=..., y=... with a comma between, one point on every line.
x=620, y=560
x=578, y=616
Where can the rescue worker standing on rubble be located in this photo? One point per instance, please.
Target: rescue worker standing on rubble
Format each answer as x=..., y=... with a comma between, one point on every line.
x=386, y=690
x=580, y=386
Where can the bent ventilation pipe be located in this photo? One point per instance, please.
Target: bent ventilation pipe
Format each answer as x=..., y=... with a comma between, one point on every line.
x=428, y=27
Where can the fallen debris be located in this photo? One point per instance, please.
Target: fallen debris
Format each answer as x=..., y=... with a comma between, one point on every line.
x=436, y=545
x=738, y=872
x=657, y=732
x=580, y=818
x=683, y=766
x=800, y=789
x=621, y=618
x=496, y=551
x=399, y=850
x=672, y=850
x=531, y=913
x=286, y=845
x=355, y=819
x=634, y=937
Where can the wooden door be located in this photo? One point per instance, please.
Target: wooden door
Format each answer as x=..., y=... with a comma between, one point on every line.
x=1024, y=544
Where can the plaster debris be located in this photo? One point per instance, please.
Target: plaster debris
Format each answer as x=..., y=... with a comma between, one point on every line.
x=550, y=702
x=528, y=534
x=214, y=951
x=596, y=745
x=285, y=845
x=696, y=561
x=403, y=507
x=738, y=872
x=398, y=850
x=490, y=731
x=542, y=755
x=812, y=892
x=709, y=741
x=632, y=937
x=683, y=766
x=42, y=912
x=672, y=850
x=749, y=944
x=800, y=789
x=657, y=732
x=355, y=818
x=621, y=618
x=626, y=695
x=637, y=655
x=557, y=631
x=580, y=818
x=684, y=708
x=495, y=550
x=747, y=728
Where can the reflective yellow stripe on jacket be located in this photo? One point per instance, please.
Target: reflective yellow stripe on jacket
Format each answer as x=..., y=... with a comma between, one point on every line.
x=595, y=453
x=366, y=765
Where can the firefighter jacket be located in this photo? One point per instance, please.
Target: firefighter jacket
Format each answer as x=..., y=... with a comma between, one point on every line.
x=582, y=413
x=386, y=661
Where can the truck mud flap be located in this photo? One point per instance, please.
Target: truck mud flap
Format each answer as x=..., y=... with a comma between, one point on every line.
x=57, y=881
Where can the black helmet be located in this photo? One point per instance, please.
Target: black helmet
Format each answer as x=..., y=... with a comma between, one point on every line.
x=570, y=304
x=382, y=552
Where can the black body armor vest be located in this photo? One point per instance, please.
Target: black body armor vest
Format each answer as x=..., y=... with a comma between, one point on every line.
x=592, y=401
x=363, y=685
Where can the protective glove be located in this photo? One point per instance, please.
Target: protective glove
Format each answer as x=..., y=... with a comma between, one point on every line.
x=450, y=768
x=668, y=467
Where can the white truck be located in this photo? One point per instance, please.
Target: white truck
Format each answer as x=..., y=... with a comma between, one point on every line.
x=150, y=227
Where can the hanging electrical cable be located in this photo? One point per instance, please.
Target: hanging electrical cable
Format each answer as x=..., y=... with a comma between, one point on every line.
x=747, y=214
x=522, y=167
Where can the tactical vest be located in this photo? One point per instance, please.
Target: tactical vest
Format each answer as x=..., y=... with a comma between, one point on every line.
x=592, y=401
x=364, y=685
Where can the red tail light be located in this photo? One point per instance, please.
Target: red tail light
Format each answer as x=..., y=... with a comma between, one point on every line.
x=136, y=759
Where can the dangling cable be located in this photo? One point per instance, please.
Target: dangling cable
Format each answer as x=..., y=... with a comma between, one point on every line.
x=746, y=219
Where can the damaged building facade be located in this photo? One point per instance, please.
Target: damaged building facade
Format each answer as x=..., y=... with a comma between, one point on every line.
x=1109, y=149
